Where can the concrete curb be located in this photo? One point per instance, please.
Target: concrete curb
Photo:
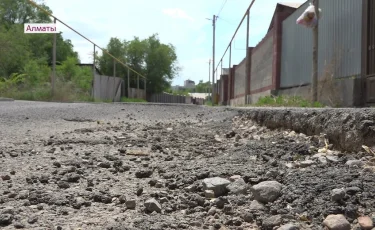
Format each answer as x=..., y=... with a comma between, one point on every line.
x=347, y=129
x=6, y=99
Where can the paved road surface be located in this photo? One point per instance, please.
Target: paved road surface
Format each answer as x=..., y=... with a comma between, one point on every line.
x=132, y=166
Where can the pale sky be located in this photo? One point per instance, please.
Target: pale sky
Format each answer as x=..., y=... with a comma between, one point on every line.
x=181, y=23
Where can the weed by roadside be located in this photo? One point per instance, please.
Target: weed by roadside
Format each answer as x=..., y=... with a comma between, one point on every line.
x=64, y=92
x=287, y=101
x=208, y=103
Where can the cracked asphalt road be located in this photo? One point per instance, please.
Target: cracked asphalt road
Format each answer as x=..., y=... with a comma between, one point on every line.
x=136, y=166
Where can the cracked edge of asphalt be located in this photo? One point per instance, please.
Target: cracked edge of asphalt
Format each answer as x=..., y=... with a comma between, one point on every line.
x=347, y=129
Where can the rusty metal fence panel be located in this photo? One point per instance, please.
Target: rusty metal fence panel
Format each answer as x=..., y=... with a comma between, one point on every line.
x=239, y=79
x=340, y=34
x=137, y=93
x=371, y=39
x=262, y=63
x=107, y=88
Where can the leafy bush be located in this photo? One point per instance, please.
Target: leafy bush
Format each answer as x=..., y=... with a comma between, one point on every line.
x=72, y=83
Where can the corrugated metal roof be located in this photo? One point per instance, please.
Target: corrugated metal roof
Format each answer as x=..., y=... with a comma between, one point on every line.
x=199, y=95
x=291, y=4
x=294, y=5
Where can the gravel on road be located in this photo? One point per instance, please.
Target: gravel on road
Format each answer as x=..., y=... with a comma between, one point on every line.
x=136, y=166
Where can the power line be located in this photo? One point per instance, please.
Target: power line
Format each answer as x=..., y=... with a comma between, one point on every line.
x=243, y=18
x=231, y=23
x=222, y=7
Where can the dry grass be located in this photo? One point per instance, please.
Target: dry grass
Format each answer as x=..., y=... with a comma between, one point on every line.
x=64, y=92
x=328, y=85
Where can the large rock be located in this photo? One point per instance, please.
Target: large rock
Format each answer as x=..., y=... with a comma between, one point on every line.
x=365, y=222
x=255, y=205
x=6, y=219
x=130, y=204
x=271, y=222
x=216, y=184
x=209, y=194
x=239, y=186
x=153, y=206
x=145, y=173
x=336, y=222
x=337, y=194
x=267, y=191
x=354, y=163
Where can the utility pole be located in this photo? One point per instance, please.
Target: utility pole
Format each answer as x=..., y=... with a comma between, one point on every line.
x=209, y=74
x=54, y=62
x=314, y=82
x=213, y=56
x=213, y=94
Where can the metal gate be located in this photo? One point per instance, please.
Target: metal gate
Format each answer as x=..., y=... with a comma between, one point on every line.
x=370, y=62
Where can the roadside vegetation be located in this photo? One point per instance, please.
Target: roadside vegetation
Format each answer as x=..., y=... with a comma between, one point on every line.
x=286, y=101
x=26, y=60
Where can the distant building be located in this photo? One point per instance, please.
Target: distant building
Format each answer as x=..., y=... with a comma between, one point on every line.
x=189, y=84
x=177, y=88
x=199, y=95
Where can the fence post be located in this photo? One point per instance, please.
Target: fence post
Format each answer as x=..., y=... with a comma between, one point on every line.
x=128, y=84
x=145, y=87
x=114, y=76
x=314, y=83
x=114, y=68
x=230, y=74
x=54, y=62
x=221, y=66
x=247, y=75
x=93, y=75
x=137, y=85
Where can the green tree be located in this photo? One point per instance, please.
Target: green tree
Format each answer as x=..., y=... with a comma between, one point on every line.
x=68, y=70
x=105, y=62
x=149, y=57
x=36, y=71
x=203, y=87
x=14, y=50
x=25, y=59
x=41, y=46
x=21, y=11
x=64, y=50
x=161, y=64
x=136, y=53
